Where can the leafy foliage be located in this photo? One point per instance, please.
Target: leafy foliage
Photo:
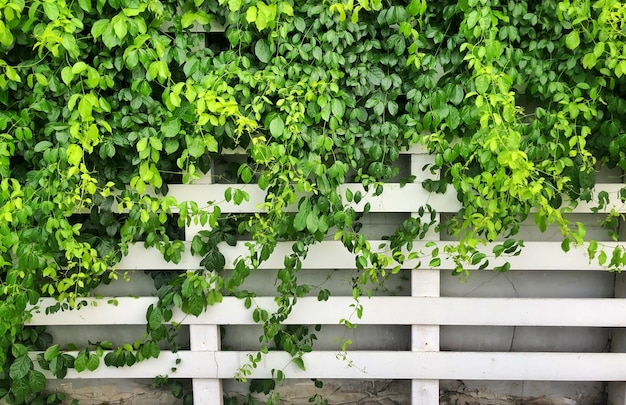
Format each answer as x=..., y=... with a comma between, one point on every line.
x=106, y=102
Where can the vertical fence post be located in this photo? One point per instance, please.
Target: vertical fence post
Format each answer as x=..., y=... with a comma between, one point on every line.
x=204, y=338
x=424, y=283
x=617, y=390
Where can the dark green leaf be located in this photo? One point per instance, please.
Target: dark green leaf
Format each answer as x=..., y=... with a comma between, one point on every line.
x=20, y=367
x=43, y=145
x=20, y=388
x=36, y=381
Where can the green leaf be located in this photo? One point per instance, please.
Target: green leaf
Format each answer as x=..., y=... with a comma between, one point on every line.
x=195, y=305
x=392, y=107
x=234, y=5
x=155, y=318
x=85, y=108
x=18, y=350
x=20, y=388
x=251, y=14
x=51, y=10
x=211, y=143
x=245, y=173
x=299, y=221
x=85, y=4
x=120, y=26
x=52, y=352
x=262, y=51
x=131, y=58
x=337, y=108
x=12, y=74
x=565, y=245
x=36, y=381
x=214, y=260
x=311, y=222
x=589, y=61
x=80, y=364
x=375, y=76
x=195, y=146
x=93, y=362
x=456, y=94
x=482, y=83
x=266, y=15
x=171, y=146
x=376, y=151
x=98, y=28
x=43, y=145
x=299, y=362
x=572, y=40
x=171, y=127
x=187, y=19
x=109, y=38
x=20, y=367
x=277, y=126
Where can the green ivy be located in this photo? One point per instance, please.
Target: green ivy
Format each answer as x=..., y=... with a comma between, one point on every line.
x=106, y=102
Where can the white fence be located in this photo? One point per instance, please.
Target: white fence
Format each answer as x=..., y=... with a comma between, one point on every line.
x=424, y=310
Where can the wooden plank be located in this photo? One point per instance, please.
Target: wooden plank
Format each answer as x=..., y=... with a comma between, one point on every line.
x=424, y=392
x=539, y=256
x=375, y=365
x=415, y=149
x=425, y=283
x=591, y=312
x=394, y=199
x=206, y=338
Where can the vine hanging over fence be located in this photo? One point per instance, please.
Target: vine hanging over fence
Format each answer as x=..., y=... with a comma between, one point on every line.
x=106, y=102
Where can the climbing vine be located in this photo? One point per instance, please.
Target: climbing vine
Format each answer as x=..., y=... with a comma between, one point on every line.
x=105, y=103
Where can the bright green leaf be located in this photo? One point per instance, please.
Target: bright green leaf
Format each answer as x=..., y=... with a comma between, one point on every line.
x=572, y=40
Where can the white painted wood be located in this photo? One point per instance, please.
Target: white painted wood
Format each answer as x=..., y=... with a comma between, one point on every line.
x=592, y=312
x=416, y=149
x=376, y=365
x=538, y=256
x=617, y=390
x=425, y=283
x=394, y=199
x=424, y=392
x=418, y=162
x=206, y=339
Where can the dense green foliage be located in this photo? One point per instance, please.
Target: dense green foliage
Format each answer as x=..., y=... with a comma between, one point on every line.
x=104, y=101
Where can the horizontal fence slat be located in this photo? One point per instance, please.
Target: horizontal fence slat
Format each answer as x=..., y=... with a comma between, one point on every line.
x=590, y=312
x=375, y=365
x=333, y=255
x=415, y=149
x=395, y=198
